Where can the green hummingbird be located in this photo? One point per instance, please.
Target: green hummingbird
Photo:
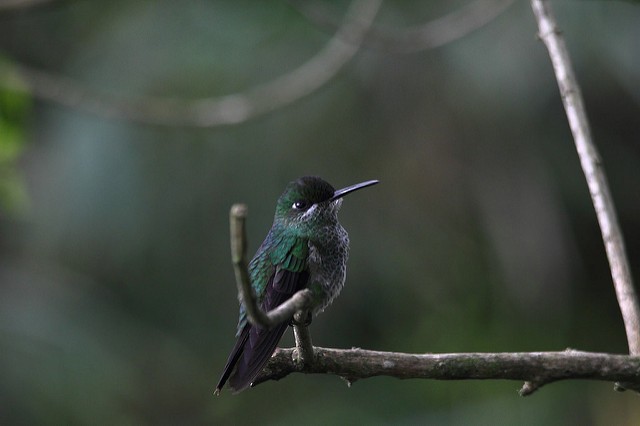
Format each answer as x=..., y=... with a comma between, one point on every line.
x=305, y=248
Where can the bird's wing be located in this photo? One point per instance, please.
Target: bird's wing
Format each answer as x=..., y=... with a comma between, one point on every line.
x=255, y=345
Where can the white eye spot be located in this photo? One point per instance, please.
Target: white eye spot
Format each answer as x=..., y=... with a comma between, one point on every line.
x=300, y=205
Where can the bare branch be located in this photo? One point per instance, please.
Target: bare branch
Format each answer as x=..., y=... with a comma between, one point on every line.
x=246, y=295
x=209, y=112
x=304, y=346
x=534, y=368
x=429, y=35
x=593, y=171
x=300, y=301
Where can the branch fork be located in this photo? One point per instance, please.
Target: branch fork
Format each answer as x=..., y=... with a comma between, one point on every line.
x=535, y=369
x=297, y=306
x=593, y=170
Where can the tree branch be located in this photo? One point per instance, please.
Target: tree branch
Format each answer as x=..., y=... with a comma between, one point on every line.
x=300, y=301
x=429, y=35
x=304, y=346
x=534, y=368
x=208, y=112
x=593, y=171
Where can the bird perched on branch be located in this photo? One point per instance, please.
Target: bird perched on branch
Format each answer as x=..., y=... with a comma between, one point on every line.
x=305, y=248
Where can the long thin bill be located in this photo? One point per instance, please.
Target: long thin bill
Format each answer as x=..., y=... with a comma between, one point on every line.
x=344, y=191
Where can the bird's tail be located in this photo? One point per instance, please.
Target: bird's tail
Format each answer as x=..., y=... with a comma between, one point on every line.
x=236, y=352
x=251, y=352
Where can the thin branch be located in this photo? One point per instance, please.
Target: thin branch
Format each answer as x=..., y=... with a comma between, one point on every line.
x=300, y=301
x=593, y=171
x=432, y=34
x=534, y=368
x=304, y=346
x=209, y=112
x=246, y=295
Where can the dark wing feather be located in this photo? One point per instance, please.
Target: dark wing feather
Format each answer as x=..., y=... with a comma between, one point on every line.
x=255, y=345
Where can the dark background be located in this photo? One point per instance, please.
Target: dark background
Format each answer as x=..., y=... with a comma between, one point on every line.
x=117, y=298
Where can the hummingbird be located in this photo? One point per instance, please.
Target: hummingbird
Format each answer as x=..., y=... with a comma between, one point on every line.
x=305, y=248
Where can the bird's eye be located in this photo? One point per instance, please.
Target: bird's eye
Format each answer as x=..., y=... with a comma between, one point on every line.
x=300, y=205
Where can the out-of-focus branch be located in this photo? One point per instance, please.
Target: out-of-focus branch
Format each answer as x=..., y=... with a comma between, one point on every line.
x=20, y=4
x=300, y=301
x=429, y=35
x=593, y=171
x=534, y=368
x=208, y=112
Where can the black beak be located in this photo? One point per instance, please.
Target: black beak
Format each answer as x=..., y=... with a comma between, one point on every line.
x=344, y=191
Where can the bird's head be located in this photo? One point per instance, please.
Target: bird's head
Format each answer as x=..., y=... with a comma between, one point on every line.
x=310, y=202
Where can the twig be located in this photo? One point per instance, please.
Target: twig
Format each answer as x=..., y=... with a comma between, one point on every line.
x=209, y=112
x=304, y=346
x=429, y=35
x=593, y=171
x=534, y=368
x=246, y=295
x=300, y=301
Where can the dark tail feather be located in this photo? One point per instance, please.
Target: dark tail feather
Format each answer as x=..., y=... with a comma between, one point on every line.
x=255, y=345
x=257, y=350
x=233, y=358
x=251, y=352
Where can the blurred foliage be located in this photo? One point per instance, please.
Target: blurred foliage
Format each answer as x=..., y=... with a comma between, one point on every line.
x=14, y=110
x=117, y=300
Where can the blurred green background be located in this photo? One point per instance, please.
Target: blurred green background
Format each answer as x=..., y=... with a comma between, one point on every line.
x=117, y=298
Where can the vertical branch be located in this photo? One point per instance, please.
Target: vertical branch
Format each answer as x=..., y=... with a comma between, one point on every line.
x=304, y=346
x=593, y=171
x=237, y=220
